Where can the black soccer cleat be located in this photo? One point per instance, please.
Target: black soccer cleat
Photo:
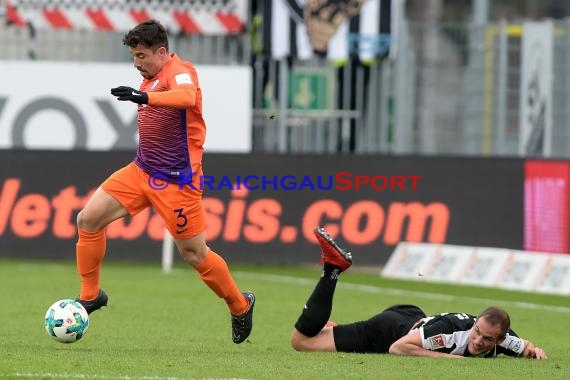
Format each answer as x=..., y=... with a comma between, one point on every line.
x=242, y=324
x=95, y=304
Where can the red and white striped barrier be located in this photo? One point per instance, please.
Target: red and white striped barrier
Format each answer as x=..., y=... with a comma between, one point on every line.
x=216, y=17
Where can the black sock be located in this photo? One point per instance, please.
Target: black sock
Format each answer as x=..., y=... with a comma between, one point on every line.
x=317, y=310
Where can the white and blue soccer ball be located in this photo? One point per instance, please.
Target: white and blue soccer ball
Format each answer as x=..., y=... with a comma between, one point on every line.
x=66, y=321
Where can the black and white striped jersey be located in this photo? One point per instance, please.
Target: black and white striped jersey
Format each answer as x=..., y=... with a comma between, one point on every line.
x=449, y=333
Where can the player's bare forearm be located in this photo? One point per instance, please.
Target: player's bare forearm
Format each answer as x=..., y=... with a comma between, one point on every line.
x=532, y=352
x=411, y=345
x=413, y=350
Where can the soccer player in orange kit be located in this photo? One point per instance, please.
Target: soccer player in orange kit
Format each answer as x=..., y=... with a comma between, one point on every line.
x=171, y=135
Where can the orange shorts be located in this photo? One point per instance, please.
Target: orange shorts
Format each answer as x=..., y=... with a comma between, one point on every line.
x=181, y=208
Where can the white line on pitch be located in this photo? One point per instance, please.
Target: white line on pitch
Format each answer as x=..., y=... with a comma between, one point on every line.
x=48, y=375
x=401, y=292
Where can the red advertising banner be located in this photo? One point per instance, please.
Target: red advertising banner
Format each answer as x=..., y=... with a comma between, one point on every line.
x=546, y=206
x=261, y=208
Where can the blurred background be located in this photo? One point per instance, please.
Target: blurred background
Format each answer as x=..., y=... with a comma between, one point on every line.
x=471, y=95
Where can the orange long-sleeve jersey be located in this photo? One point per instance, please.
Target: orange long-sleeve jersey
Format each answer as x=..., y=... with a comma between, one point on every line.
x=171, y=127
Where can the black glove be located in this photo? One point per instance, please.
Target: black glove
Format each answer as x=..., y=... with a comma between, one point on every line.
x=129, y=93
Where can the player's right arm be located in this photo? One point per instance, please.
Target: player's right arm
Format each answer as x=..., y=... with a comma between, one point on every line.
x=180, y=97
x=411, y=345
x=182, y=88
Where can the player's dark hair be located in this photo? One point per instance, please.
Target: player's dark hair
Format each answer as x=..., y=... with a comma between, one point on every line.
x=150, y=34
x=496, y=315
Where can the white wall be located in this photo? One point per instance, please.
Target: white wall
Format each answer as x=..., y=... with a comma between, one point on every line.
x=54, y=105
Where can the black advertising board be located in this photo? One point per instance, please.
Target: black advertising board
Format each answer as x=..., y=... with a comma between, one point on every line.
x=262, y=208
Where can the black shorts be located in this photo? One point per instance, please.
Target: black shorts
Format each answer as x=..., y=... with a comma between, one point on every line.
x=377, y=334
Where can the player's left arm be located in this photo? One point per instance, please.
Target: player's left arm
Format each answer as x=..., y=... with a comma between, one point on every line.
x=533, y=352
x=513, y=345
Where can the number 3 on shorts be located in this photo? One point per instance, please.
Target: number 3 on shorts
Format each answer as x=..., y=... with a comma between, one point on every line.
x=182, y=221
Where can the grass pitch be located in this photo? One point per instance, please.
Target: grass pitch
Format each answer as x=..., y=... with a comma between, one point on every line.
x=171, y=326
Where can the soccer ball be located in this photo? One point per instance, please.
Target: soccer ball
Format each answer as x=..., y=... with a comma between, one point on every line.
x=66, y=321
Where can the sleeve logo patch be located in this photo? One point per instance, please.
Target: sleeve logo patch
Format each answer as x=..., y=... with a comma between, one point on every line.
x=184, y=78
x=515, y=345
x=437, y=342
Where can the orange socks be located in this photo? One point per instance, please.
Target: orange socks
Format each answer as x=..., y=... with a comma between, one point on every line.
x=215, y=273
x=90, y=250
